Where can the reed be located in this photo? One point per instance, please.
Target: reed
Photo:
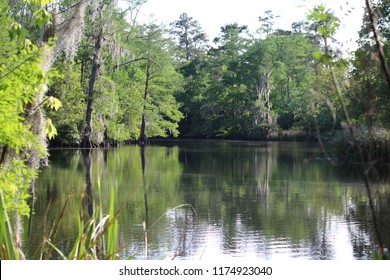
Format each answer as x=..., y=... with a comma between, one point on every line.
x=97, y=235
x=43, y=251
x=112, y=234
x=90, y=240
x=9, y=249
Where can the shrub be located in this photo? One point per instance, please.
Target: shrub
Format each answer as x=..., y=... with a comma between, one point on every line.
x=373, y=143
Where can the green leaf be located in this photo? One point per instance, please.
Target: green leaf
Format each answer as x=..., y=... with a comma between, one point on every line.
x=39, y=2
x=318, y=55
x=42, y=17
x=15, y=30
x=50, y=129
x=54, y=103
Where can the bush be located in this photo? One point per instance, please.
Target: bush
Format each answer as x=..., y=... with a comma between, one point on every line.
x=374, y=144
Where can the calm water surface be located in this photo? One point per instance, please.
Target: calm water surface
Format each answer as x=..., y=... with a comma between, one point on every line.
x=215, y=199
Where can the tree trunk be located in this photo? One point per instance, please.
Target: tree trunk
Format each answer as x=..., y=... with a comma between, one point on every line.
x=142, y=140
x=263, y=91
x=87, y=140
x=267, y=103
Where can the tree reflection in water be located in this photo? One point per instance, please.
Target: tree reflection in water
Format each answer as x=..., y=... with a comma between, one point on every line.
x=252, y=199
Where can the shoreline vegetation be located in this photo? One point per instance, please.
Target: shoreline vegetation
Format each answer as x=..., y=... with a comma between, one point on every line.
x=373, y=142
x=80, y=73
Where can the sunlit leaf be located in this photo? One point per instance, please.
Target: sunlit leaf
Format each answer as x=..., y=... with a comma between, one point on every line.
x=318, y=55
x=54, y=103
x=42, y=17
x=39, y=2
x=15, y=30
x=51, y=131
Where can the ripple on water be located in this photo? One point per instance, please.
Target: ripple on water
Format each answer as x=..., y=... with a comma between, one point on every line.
x=179, y=236
x=211, y=241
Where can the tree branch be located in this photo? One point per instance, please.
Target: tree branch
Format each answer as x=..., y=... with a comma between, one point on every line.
x=71, y=7
x=3, y=153
x=30, y=58
x=131, y=61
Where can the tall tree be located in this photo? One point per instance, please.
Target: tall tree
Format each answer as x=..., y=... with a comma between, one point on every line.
x=159, y=112
x=267, y=22
x=227, y=101
x=262, y=59
x=106, y=34
x=191, y=47
x=191, y=39
x=100, y=19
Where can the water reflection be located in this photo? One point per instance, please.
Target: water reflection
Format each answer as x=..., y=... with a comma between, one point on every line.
x=258, y=200
x=88, y=198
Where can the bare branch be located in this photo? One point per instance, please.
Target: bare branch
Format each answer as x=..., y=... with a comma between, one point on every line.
x=131, y=61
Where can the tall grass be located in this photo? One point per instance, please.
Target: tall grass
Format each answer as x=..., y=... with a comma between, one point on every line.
x=97, y=235
x=112, y=234
x=9, y=250
x=90, y=243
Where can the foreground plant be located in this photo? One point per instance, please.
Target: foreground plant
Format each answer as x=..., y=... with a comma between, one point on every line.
x=96, y=239
x=358, y=143
x=9, y=248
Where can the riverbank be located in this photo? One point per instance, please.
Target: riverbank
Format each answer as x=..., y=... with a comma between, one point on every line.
x=373, y=144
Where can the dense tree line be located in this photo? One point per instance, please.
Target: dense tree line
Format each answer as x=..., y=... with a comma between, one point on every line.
x=157, y=81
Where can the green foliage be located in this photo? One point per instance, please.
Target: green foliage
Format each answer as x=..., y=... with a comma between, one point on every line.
x=129, y=84
x=29, y=18
x=247, y=88
x=21, y=80
x=118, y=95
x=15, y=180
x=69, y=119
x=18, y=89
x=373, y=143
x=325, y=23
x=370, y=102
x=154, y=83
x=93, y=234
x=7, y=240
x=106, y=107
x=162, y=110
x=7, y=47
x=51, y=131
x=191, y=42
x=42, y=17
x=15, y=30
x=112, y=232
x=267, y=22
x=39, y=2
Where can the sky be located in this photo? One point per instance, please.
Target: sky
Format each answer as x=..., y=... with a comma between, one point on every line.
x=212, y=14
